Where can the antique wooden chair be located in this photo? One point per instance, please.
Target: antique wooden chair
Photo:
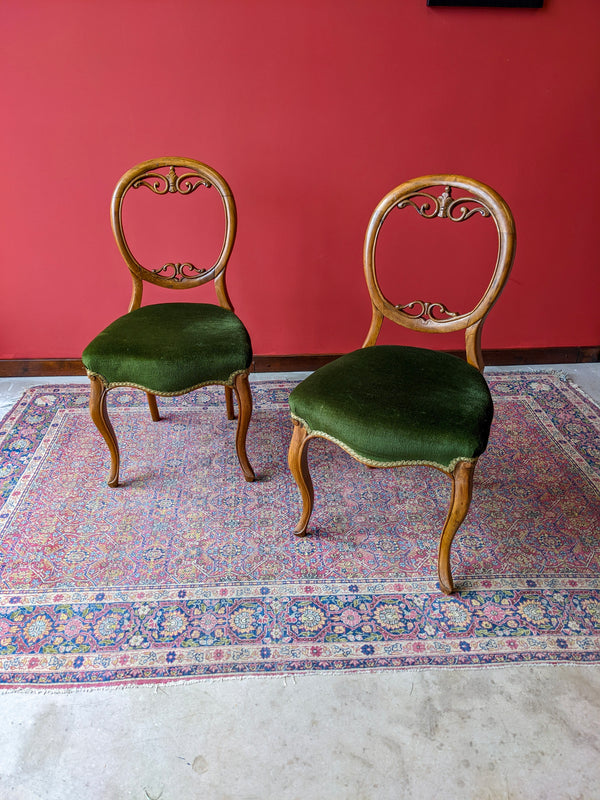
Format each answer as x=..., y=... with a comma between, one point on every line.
x=172, y=348
x=392, y=405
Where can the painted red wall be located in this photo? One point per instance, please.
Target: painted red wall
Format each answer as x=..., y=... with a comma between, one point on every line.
x=312, y=110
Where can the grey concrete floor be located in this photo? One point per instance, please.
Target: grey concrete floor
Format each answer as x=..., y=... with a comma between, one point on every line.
x=530, y=732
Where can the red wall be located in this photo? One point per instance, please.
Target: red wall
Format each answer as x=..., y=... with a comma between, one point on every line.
x=312, y=110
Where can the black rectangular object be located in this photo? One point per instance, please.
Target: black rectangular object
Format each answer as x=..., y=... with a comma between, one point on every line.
x=489, y=3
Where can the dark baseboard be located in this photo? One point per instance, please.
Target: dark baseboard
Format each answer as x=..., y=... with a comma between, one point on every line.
x=493, y=358
x=295, y=363
x=34, y=367
x=541, y=355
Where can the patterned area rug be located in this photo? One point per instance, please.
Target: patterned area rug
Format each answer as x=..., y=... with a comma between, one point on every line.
x=187, y=571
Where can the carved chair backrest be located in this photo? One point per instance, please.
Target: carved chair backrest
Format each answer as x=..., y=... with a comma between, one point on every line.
x=432, y=198
x=164, y=176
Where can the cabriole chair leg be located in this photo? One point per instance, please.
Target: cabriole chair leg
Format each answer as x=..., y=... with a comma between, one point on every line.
x=460, y=500
x=101, y=420
x=298, y=464
x=244, y=398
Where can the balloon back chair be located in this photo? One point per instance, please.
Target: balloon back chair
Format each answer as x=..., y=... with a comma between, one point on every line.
x=393, y=405
x=170, y=349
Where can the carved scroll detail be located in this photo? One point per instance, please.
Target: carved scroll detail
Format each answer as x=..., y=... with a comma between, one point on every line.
x=180, y=272
x=171, y=182
x=433, y=311
x=444, y=206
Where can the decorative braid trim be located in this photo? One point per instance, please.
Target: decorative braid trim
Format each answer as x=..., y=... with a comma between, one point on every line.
x=228, y=382
x=372, y=463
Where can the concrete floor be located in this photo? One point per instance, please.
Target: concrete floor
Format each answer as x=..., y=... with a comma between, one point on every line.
x=530, y=732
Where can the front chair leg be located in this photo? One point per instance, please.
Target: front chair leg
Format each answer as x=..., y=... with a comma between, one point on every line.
x=229, y=402
x=462, y=489
x=101, y=420
x=298, y=464
x=243, y=394
x=152, y=405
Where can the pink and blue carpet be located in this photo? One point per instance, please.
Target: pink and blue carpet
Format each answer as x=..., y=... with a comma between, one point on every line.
x=187, y=571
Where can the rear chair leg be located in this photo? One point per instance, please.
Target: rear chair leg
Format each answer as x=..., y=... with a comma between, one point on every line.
x=153, y=407
x=243, y=394
x=101, y=420
x=229, y=402
x=298, y=464
x=460, y=500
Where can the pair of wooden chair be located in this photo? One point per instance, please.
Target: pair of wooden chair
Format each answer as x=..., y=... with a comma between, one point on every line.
x=386, y=405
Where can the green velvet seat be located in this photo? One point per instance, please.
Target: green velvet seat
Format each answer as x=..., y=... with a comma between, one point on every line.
x=390, y=406
x=172, y=348
x=199, y=344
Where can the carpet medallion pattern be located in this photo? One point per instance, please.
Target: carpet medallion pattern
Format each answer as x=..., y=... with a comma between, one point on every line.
x=187, y=571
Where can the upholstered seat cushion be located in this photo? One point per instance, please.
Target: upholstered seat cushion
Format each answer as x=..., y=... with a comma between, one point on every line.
x=392, y=405
x=170, y=348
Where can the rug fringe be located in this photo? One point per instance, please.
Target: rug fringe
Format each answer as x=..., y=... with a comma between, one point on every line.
x=288, y=678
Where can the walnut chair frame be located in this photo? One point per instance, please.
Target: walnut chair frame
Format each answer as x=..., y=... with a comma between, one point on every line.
x=164, y=176
x=425, y=317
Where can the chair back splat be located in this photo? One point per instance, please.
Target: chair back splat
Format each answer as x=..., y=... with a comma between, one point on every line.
x=169, y=349
x=392, y=406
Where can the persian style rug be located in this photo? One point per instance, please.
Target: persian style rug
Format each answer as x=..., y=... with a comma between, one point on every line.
x=187, y=571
